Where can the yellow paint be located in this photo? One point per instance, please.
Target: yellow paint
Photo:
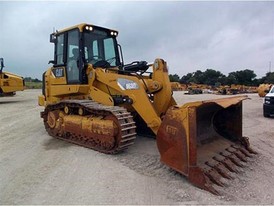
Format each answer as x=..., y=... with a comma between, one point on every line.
x=100, y=96
x=10, y=82
x=41, y=100
x=103, y=86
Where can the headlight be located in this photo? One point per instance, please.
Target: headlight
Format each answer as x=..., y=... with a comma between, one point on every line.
x=90, y=28
x=267, y=100
x=113, y=33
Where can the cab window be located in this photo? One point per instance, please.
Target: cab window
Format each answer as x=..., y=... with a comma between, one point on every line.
x=60, y=50
x=73, y=57
x=109, y=51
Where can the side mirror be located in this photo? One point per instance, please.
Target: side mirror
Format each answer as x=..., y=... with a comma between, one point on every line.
x=52, y=38
x=1, y=63
x=51, y=62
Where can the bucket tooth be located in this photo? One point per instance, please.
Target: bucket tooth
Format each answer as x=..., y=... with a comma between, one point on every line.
x=238, y=153
x=243, y=150
x=197, y=176
x=220, y=168
x=251, y=150
x=213, y=175
x=227, y=163
x=233, y=158
x=245, y=142
x=212, y=190
x=209, y=186
x=246, y=152
x=241, y=156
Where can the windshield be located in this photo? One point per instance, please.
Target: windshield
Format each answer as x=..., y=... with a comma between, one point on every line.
x=271, y=90
x=98, y=46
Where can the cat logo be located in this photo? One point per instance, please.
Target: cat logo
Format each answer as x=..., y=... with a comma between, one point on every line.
x=171, y=130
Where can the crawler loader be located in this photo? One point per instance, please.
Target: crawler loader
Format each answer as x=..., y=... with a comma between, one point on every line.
x=93, y=99
x=9, y=83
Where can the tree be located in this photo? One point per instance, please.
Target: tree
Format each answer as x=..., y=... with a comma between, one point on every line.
x=37, y=80
x=269, y=78
x=245, y=77
x=212, y=77
x=29, y=79
x=231, y=78
x=186, y=78
x=174, y=78
x=198, y=77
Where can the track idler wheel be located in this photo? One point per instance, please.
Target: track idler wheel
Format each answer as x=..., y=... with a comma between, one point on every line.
x=52, y=119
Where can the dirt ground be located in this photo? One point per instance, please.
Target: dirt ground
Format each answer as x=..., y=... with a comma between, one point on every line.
x=37, y=169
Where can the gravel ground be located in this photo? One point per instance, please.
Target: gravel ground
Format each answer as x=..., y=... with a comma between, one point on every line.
x=37, y=169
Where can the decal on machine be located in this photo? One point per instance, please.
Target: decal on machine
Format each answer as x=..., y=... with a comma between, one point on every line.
x=58, y=72
x=126, y=84
x=171, y=130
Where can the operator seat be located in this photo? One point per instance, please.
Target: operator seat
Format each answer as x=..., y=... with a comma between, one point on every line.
x=73, y=70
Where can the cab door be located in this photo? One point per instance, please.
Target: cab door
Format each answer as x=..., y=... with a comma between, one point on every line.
x=73, y=57
x=58, y=70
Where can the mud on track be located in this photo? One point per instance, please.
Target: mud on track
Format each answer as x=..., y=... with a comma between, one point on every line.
x=37, y=169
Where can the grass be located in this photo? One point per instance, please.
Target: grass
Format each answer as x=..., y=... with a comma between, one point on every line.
x=33, y=85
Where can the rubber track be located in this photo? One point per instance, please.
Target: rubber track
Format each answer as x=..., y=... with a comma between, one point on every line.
x=127, y=124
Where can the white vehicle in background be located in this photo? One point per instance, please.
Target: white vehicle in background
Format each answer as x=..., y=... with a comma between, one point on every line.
x=269, y=103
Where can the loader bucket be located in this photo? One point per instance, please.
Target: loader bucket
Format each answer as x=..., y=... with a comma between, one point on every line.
x=203, y=141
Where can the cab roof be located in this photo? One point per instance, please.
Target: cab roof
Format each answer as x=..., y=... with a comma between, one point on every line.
x=82, y=26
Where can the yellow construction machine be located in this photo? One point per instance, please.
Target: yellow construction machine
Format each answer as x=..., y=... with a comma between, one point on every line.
x=9, y=83
x=176, y=86
x=93, y=99
x=193, y=88
x=263, y=89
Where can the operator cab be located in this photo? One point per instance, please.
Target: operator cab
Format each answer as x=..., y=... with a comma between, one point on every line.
x=77, y=46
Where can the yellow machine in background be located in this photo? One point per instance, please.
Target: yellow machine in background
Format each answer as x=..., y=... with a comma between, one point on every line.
x=176, y=86
x=9, y=83
x=235, y=89
x=93, y=99
x=251, y=89
x=263, y=89
x=194, y=88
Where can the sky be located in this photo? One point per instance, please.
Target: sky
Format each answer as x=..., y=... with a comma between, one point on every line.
x=190, y=36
